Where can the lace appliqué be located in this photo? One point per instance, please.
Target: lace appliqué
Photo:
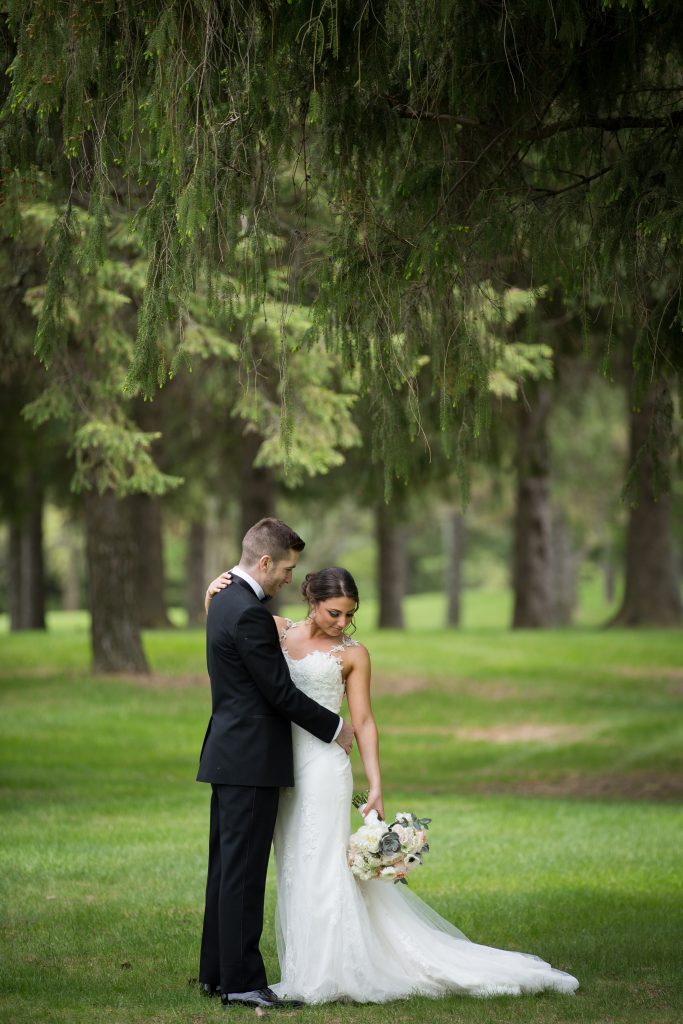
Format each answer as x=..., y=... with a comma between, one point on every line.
x=318, y=673
x=283, y=632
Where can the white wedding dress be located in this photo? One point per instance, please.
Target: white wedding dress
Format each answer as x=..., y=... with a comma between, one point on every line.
x=341, y=939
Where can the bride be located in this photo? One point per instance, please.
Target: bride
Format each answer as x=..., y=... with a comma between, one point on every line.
x=339, y=938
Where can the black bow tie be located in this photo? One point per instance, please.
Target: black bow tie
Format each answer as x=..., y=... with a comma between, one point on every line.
x=266, y=597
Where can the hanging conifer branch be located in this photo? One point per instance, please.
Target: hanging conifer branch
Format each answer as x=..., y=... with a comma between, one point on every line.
x=190, y=110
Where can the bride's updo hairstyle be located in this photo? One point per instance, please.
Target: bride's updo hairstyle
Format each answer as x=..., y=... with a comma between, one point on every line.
x=329, y=583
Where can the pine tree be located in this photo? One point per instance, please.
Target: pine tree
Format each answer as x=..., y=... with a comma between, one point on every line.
x=452, y=141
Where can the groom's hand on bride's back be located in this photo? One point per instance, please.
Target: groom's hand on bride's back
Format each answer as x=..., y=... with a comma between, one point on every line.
x=345, y=737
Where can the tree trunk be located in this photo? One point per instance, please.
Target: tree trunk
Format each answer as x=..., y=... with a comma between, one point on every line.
x=150, y=579
x=111, y=551
x=609, y=576
x=26, y=566
x=195, y=574
x=454, y=543
x=258, y=487
x=14, y=569
x=71, y=582
x=564, y=571
x=258, y=493
x=532, y=565
x=652, y=595
x=392, y=568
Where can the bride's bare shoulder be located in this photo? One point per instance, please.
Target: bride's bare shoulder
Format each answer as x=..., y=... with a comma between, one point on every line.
x=355, y=652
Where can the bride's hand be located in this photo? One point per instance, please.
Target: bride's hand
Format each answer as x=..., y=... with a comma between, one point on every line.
x=374, y=803
x=220, y=583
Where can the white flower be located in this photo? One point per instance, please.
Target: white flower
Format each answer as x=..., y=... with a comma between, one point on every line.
x=368, y=837
x=388, y=874
x=404, y=834
x=373, y=853
x=416, y=843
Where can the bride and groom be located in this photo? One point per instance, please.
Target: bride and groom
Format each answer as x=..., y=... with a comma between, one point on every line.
x=276, y=756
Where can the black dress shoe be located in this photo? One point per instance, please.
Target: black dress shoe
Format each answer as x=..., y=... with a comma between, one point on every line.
x=209, y=990
x=264, y=998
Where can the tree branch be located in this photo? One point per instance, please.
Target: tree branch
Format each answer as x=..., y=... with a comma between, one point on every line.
x=404, y=110
x=584, y=180
x=610, y=124
x=606, y=124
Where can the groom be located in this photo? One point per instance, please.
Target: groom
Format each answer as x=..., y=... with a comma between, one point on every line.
x=247, y=756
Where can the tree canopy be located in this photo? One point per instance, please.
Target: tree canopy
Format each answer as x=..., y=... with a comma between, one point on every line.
x=535, y=144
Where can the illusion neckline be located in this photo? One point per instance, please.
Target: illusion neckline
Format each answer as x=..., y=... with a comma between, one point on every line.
x=334, y=652
x=326, y=654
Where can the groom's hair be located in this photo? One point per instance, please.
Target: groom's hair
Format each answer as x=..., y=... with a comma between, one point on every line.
x=269, y=537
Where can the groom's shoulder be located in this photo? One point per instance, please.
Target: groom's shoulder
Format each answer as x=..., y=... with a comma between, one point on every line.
x=230, y=604
x=254, y=613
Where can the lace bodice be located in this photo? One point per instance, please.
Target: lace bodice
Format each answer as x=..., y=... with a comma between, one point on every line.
x=319, y=673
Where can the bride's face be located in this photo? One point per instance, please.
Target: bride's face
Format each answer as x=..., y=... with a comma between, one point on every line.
x=334, y=615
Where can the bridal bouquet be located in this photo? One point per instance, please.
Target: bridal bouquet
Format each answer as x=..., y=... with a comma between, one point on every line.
x=387, y=852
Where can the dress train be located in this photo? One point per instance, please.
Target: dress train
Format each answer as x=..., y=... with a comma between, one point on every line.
x=341, y=939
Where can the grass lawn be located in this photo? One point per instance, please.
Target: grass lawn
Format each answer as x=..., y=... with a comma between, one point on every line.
x=551, y=763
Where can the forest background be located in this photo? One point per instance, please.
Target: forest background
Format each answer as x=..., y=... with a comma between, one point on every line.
x=364, y=268
x=407, y=275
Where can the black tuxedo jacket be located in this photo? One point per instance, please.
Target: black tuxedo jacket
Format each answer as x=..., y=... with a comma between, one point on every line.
x=253, y=699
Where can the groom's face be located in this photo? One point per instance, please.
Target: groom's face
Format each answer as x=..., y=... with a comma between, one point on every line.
x=278, y=574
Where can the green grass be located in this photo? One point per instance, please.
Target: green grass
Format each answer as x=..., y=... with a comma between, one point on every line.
x=550, y=762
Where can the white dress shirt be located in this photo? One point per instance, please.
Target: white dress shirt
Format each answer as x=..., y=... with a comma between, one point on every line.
x=256, y=587
x=260, y=593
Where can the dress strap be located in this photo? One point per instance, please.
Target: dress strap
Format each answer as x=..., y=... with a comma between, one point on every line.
x=285, y=631
x=346, y=642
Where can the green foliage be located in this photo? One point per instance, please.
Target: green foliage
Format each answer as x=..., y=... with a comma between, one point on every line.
x=519, y=361
x=309, y=409
x=52, y=322
x=557, y=150
x=84, y=338
x=491, y=319
x=119, y=459
x=92, y=358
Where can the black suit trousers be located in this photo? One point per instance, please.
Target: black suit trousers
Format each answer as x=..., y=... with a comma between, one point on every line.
x=240, y=837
